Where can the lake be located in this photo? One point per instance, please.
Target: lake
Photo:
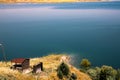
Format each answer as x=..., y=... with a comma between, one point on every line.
x=86, y=30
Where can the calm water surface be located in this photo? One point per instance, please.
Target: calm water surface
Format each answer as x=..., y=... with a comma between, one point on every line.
x=86, y=30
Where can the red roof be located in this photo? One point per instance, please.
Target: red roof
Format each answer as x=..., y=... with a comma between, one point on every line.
x=18, y=60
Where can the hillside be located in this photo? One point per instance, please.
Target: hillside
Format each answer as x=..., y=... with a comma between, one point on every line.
x=50, y=64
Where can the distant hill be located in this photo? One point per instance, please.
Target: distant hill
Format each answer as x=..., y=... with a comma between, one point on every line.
x=44, y=1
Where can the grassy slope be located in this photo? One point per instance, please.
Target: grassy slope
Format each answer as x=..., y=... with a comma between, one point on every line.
x=50, y=63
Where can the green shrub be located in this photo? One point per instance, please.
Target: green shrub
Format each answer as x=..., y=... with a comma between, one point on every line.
x=59, y=74
x=118, y=75
x=107, y=73
x=85, y=63
x=63, y=70
x=94, y=74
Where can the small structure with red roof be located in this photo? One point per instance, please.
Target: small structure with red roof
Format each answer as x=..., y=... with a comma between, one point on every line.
x=20, y=63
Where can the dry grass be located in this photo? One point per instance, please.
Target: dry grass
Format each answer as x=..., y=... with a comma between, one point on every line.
x=50, y=61
x=50, y=64
x=9, y=74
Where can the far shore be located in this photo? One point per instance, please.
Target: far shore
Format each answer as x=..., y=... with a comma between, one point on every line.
x=48, y=1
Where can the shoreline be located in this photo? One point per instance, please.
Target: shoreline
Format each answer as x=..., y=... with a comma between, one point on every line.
x=54, y=2
x=50, y=1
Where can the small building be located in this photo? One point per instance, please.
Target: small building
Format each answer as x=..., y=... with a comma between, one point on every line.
x=20, y=63
x=38, y=68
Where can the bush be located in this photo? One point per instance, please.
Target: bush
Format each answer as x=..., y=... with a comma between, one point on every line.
x=63, y=70
x=107, y=73
x=60, y=75
x=94, y=74
x=85, y=64
x=118, y=75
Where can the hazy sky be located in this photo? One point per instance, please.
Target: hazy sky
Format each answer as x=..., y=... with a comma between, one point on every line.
x=110, y=0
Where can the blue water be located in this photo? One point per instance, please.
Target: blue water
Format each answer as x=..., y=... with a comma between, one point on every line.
x=85, y=30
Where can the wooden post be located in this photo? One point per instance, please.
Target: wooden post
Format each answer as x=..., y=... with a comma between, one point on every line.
x=3, y=51
x=41, y=63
